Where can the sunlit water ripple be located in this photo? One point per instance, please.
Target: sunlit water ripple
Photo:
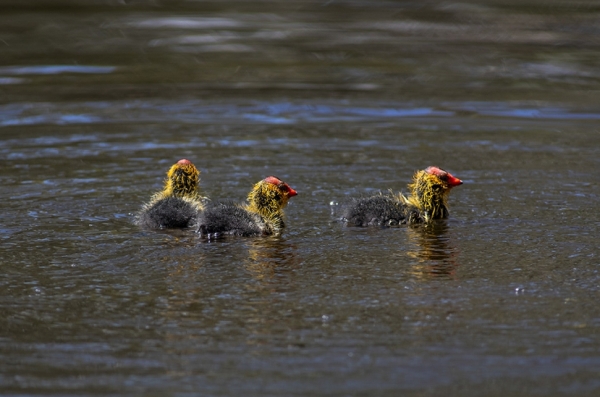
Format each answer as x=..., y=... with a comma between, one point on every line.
x=262, y=112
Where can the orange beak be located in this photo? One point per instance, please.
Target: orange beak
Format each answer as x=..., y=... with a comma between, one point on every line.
x=453, y=181
x=292, y=192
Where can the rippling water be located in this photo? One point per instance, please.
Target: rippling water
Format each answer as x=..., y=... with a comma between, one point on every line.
x=339, y=99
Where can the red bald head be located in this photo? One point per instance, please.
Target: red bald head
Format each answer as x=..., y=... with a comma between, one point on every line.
x=444, y=175
x=281, y=184
x=184, y=162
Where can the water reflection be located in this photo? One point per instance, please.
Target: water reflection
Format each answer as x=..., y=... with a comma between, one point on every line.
x=185, y=269
x=271, y=262
x=268, y=257
x=433, y=249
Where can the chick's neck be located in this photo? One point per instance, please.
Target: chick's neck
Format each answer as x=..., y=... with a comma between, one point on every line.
x=268, y=201
x=182, y=181
x=430, y=195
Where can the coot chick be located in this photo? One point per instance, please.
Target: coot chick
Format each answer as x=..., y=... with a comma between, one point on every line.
x=261, y=216
x=177, y=205
x=428, y=200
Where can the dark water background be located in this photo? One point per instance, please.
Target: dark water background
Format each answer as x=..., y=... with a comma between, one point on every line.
x=338, y=98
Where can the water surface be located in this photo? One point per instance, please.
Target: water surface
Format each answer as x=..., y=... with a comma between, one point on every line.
x=339, y=99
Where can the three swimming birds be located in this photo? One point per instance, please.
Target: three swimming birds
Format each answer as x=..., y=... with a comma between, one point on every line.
x=180, y=205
